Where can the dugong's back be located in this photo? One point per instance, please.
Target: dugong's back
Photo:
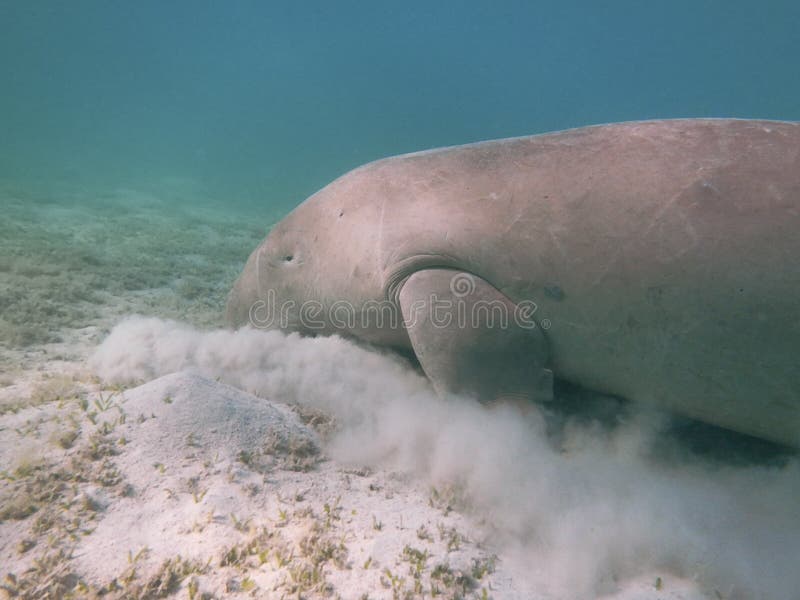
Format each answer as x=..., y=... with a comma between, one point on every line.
x=664, y=255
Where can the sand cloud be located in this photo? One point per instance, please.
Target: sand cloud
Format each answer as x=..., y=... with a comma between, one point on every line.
x=599, y=507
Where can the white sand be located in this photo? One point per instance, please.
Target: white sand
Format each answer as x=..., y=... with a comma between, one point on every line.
x=185, y=491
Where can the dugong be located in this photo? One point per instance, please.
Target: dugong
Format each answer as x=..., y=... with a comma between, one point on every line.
x=657, y=261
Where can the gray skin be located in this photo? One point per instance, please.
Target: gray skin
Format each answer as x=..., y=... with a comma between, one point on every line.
x=662, y=257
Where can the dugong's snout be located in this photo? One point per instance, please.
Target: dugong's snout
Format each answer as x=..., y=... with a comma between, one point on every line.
x=243, y=296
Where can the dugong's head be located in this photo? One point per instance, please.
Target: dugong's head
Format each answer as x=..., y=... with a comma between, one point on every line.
x=319, y=258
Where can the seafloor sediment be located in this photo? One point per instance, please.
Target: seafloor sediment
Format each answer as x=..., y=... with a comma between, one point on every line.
x=74, y=260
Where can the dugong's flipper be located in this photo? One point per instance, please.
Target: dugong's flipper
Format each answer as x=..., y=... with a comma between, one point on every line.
x=468, y=338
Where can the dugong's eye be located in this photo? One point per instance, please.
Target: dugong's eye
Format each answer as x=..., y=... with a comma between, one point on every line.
x=288, y=258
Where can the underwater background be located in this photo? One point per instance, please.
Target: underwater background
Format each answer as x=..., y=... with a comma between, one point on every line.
x=146, y=147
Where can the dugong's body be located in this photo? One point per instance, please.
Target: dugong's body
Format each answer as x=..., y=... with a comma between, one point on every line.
x=663, y=259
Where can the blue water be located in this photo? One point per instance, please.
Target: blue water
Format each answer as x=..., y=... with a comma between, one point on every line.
x=266, y=101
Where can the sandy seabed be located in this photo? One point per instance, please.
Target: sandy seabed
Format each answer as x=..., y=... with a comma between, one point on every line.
x=163, y=456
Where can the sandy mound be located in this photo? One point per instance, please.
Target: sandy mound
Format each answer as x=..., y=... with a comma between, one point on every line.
x=188, y=486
